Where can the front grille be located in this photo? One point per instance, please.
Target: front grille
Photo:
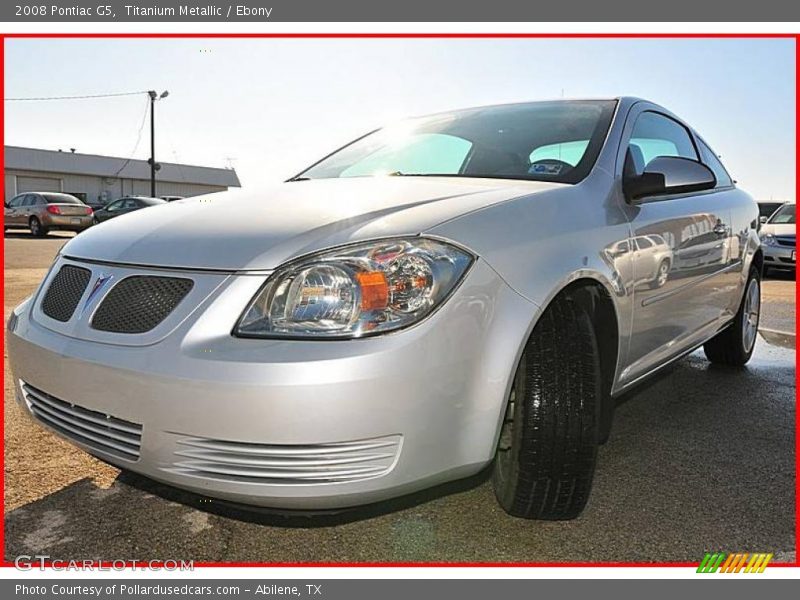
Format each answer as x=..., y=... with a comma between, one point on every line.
x=241, y=462
x=786, y=240
x=65, y=291
x=96, y=430
x=138, y=303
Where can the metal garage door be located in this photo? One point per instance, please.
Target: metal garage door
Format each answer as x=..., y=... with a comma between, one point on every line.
x=38, y=184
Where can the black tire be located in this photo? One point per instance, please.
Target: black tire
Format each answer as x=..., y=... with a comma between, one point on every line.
x=547, y=452
x=37, y=229
x=732, y=346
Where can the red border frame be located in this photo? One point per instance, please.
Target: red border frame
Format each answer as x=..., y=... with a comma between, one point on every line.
x=796, y=37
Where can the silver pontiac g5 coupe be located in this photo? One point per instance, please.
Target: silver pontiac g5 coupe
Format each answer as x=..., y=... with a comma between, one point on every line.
x=466, y=290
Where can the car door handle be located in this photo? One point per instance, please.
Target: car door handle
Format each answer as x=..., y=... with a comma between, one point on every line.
x=721, y=229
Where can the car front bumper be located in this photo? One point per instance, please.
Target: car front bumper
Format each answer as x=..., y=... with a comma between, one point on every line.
x=779, y=257
x=283, y=423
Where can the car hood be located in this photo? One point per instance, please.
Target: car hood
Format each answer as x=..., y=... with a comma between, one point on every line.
x=778, y=228
x=259, y=230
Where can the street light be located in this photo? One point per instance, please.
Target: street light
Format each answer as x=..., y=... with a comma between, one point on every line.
x=153, y=166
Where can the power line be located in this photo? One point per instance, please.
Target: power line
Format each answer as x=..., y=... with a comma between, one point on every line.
x=138, y=139
x=85, y=97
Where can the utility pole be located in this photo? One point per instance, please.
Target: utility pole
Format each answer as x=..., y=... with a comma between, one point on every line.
x=153, y=166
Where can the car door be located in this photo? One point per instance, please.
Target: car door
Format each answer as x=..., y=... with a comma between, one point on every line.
x=644, y=259
x=110, y=211
x=743, y=225
x=26, y=208
x=37, y=206
x=133, y=204
x=127, y=205
x=12, y=211
x=672, y=313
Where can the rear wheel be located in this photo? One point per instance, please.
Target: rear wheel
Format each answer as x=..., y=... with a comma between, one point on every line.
x=37, y=229
x=548, y=444
x=734, y=346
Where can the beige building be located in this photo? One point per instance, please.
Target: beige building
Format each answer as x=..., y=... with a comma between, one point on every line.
x=100, y=179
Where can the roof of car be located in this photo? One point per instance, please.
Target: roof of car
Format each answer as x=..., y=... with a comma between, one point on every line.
x=625, y=101
x=146, y=198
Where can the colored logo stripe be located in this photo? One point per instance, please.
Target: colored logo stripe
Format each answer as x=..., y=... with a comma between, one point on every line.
x=734, y=563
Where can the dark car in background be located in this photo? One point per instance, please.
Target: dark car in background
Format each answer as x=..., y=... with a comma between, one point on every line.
x=124, y=206
x=96, y=204
x=767, y=209
x=42, y=212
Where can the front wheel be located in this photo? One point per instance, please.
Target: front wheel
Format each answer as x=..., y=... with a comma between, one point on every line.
x=548, y=443
x=734, y=346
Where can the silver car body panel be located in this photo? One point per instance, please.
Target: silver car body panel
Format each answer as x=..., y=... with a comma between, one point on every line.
x=389, y=414
x=239, y=231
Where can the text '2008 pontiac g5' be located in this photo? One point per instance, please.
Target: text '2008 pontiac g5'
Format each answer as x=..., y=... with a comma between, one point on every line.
x=462, y=290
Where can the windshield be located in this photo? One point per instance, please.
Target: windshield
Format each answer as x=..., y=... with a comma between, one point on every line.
x=541, y=141
x=61, y=199
x=785, y=215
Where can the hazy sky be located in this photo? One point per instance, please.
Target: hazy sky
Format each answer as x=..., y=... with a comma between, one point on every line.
x=272, y=107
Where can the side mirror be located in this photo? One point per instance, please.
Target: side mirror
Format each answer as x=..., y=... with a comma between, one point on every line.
x=762, y=219
x=668, y=175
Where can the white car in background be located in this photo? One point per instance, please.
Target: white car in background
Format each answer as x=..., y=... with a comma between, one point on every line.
x=778, y=239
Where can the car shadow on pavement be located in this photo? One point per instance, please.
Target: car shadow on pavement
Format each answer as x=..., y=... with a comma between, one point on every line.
x=273, y=517
x=781, y=274
x=25, y=235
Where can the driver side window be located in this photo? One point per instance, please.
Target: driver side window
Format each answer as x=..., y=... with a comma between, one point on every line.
x=657, y=135
x=16, y=202
x=114, y=206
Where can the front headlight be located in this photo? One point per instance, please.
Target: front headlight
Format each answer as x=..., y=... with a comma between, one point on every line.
x=768, y=239
x=355, y=291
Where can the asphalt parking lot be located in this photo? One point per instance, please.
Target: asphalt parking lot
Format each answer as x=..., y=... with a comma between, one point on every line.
x=703, y=459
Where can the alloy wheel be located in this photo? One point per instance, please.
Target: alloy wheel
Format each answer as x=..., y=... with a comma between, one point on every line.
x=752, y=309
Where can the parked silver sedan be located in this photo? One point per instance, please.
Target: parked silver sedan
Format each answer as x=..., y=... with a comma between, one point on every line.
x=43, y=212
x=448, y=294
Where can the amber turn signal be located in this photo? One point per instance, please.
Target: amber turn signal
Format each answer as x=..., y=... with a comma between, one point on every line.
x=374, y=290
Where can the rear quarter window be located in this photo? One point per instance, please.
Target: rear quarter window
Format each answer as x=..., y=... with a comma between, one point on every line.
x=61, y=199
x=713, y=162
